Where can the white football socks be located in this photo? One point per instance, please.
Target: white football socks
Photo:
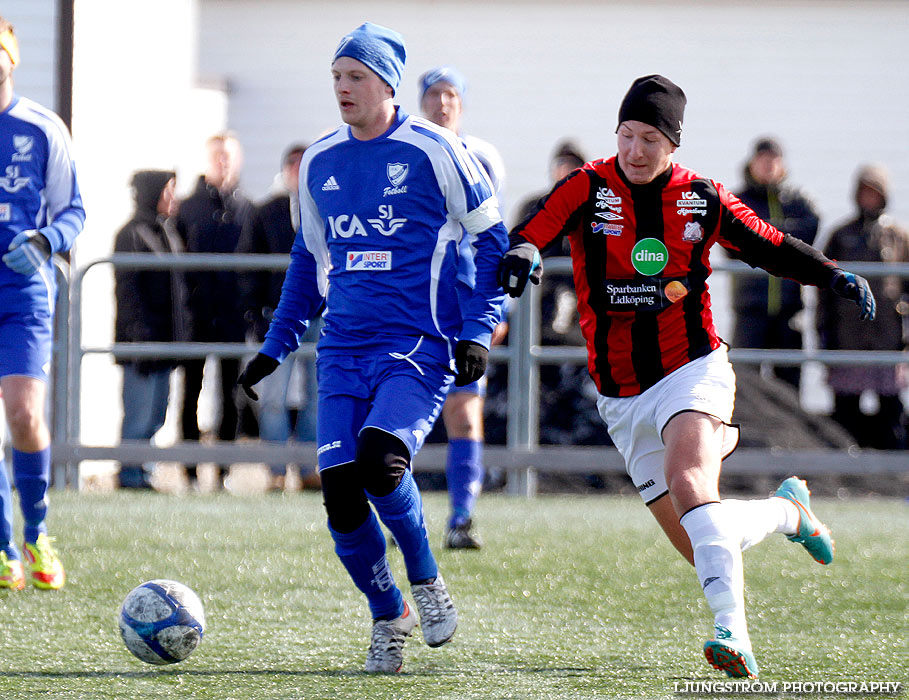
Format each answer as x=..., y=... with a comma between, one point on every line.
x=716, y=540
x=758, y=518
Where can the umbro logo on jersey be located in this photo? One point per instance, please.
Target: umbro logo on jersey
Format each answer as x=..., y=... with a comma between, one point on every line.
x=609, y=216
x=330, y=184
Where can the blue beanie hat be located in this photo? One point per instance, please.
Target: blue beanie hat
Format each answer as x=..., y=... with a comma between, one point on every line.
x=446, y=74
x=379, y=48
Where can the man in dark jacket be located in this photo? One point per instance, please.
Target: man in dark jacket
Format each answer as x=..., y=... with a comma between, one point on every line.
x=270, y=229
x=150, y=308
x=765, y=307
x=210, y=221
x=871, y=236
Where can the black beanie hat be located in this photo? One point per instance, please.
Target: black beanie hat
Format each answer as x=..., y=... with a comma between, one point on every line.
x=656, y=101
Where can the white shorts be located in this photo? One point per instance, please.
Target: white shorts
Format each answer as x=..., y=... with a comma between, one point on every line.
x=635, y=423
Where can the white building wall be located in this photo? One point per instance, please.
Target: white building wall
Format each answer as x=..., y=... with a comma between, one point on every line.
x=35, y=23
x=136, y=106
x=826, y=77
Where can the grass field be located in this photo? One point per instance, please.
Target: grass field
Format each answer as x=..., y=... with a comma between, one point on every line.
x=572, y=597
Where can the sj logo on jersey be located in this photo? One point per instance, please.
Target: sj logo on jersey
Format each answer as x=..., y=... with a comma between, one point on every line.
x=369, y=260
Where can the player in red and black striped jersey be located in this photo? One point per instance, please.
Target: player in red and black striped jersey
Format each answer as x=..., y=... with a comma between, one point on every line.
x=641, y=229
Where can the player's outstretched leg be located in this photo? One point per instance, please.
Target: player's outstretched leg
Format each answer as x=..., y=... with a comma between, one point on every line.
x=386, y=647
x=716, y=541
x=812, y=534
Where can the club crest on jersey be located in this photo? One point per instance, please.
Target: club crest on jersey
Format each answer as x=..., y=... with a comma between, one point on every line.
x=6, y=212
x=368, y=260
x=396, y=173
x=693, y=233
x=23, y=144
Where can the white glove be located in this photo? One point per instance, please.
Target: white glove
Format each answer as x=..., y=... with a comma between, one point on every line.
x=28, y=251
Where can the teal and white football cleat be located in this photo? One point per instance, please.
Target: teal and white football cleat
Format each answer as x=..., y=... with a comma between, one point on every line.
x=730, y=655
x=812, y=534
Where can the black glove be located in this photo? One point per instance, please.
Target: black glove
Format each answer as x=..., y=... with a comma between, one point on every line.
x=258, y=368
x=520, y=263
x=470, y=362
x=855, y=288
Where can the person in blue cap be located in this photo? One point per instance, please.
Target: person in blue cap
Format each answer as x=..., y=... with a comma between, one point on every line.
x=442, y=92
x=384, y=203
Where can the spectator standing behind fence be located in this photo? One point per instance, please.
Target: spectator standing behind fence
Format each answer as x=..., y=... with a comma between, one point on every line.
x=210, y=221
x=384, y=203
x=442, y=102
x=40, y=214
x=766, y=306
x=666, y=388
x=270, y=229
x=872, y=236
x=151, y=307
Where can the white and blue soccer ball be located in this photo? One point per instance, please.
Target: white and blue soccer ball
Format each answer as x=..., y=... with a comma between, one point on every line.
x=162, y=621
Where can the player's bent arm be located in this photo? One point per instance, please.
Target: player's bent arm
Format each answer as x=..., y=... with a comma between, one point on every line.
x=65, y=213
x=484, y=310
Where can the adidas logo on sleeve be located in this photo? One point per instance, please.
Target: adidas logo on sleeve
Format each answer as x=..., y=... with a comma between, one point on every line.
x=331, y=184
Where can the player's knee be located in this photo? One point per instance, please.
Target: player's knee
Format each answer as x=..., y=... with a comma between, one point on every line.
x=382, y=459
x=463, y=416
x=26, y=424
x=343, y=496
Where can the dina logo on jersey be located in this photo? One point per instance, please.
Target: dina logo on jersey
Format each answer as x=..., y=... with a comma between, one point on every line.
x=649, y=256
x=396, y=173
x=23, y=144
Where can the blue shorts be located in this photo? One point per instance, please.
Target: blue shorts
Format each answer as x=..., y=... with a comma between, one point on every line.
x=478, y=387
x=25, y=344
x=401, y=395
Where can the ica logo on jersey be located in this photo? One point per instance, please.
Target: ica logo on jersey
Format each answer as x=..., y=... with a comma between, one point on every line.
x=347, y=226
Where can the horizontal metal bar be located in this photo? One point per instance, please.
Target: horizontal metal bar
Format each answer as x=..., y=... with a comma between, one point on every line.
x=228, y=262
x=557, y=459
x=738, y=268
x=575, y=354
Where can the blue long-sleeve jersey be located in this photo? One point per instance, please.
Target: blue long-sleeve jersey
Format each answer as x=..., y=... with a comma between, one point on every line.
x=380, y=225
x=38, y=190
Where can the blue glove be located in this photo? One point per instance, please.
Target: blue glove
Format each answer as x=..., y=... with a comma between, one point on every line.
x=28, y=251
x=518, y=265
x=855, y=289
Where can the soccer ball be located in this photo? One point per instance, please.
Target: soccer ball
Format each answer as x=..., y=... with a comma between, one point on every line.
x=162, y=621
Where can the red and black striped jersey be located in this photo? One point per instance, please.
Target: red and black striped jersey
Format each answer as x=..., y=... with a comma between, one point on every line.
x=640, y=255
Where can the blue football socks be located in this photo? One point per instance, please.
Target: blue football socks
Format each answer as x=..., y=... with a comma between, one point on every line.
x=363, y=554
x=6, y=515
x=31, y=471
x=402, y=513
x=464, y=472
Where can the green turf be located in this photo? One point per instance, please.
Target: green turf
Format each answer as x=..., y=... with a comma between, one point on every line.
x=572, y=597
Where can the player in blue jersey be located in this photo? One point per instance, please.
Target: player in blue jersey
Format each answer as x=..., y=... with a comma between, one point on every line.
x=384, y=203
x=442, y=102
x=40, y=214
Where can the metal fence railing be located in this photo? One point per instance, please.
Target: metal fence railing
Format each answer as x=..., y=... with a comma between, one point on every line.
x=522, y=454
